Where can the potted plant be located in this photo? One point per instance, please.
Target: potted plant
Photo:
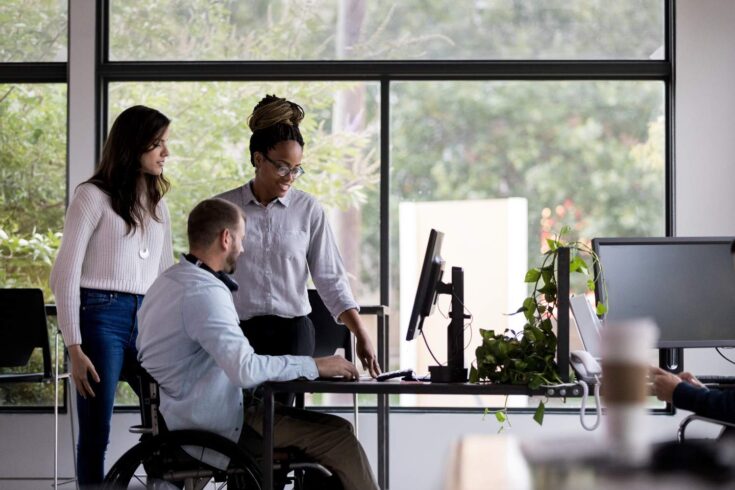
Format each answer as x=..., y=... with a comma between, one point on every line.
x=527, y=357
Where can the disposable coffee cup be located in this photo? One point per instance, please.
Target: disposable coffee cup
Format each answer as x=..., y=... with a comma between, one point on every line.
x=626, y=348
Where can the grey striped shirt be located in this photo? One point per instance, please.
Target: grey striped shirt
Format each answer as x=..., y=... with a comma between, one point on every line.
x=284, y=242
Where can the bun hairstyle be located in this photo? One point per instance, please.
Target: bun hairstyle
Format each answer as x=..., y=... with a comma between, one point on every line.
x=274, y=120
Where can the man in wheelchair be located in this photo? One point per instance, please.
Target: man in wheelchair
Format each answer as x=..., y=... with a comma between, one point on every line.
x=190, y=342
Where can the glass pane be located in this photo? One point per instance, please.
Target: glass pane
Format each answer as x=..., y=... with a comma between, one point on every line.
x=501, y=166
x=386, y=30
x=209, y=154
x=32, y=202
x=33, y=30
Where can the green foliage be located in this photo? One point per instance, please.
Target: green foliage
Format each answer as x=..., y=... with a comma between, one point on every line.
x=528, y=357
x=33, y=30
x=26, y=262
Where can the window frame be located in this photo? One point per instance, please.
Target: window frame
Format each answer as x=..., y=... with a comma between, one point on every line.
x=386, y=72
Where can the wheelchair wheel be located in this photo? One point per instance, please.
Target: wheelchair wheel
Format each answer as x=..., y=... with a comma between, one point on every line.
x=159, y=462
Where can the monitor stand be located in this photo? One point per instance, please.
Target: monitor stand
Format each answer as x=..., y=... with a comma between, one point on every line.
x=454, y=371
x=671, y=360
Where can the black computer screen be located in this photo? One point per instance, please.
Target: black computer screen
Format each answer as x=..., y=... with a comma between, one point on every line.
x=431, y=274
x=687, y=285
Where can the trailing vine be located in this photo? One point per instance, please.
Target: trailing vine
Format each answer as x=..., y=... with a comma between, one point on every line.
x=527, y=357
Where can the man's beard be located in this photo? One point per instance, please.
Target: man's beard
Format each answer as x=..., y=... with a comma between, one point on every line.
x=231, y=261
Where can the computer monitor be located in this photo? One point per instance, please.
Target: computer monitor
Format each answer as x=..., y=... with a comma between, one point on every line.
x=426, y=291
x=429, y=287
x=687, y=285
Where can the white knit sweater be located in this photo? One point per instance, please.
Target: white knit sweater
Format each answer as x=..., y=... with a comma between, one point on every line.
x=96, y=252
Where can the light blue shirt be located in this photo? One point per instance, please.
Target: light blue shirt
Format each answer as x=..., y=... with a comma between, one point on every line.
x=284, y=242
x=190, y=341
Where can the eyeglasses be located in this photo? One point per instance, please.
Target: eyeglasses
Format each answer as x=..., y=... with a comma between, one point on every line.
x=283, y=170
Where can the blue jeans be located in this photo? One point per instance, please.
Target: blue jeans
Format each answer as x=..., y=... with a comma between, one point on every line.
x=109, y=328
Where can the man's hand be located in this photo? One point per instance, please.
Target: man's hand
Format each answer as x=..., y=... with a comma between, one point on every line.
x=81, y=369
x=664, y=383
x=364, y=347
x=336, y=366
x=689, y=378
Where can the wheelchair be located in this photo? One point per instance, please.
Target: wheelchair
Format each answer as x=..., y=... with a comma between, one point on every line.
x=159, y=460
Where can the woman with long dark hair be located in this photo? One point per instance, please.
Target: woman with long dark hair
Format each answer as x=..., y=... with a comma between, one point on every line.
x=117, y=239
x=288, y=239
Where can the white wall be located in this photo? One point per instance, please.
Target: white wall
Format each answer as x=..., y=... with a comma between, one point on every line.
x=705, y=205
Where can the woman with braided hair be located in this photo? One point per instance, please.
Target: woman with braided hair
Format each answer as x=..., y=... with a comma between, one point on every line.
x=287, y=238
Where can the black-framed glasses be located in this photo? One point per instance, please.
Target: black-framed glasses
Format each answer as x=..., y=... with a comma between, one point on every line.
x=283, y=170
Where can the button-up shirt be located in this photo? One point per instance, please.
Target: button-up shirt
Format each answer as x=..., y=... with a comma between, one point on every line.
x=190, y=341
x=286, y=240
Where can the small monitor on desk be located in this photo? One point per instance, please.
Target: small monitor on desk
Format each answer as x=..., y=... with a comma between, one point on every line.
x=687, y=285
x=432, y=271
x=430, y=285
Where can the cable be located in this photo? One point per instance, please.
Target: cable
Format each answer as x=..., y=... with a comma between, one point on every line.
x=430, y=352
x=583, y=408
x=724, y=356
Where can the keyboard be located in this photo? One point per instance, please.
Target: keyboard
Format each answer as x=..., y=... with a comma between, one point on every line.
x=716, y=380
x=406, y=374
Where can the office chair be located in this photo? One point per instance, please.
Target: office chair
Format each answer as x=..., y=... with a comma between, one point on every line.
x=727, y=428
x=160, y=454
x=23, y=329
x=330, y=336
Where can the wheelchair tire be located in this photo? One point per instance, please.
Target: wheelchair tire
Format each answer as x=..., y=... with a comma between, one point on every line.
x=162, y=456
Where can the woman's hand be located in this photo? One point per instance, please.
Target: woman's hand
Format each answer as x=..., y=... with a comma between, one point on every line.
x=81, y=369
x=664, y=383
x=366, y=354
x=364, y=348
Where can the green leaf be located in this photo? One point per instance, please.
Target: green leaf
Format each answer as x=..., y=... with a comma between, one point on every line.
x=538, y=415
x=474, y=378
x=500, y=416
x=548, y=275
x=532, y=275
x=590, y=284
x=536, y=381
x=578, y=265
x=601, y=308
x=553, y=244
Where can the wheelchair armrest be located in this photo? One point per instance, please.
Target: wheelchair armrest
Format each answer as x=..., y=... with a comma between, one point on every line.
x=680, y=434
x=140, y=429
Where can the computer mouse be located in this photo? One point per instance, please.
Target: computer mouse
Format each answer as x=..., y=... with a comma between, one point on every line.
x=410, y=376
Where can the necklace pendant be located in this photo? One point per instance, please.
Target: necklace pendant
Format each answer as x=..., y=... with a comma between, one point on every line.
x=144, y=253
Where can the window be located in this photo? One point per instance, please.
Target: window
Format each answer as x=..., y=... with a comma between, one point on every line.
x=496, y=121
x=385, y=30
x=32, y=200
x=33, y=30
x=33, y=112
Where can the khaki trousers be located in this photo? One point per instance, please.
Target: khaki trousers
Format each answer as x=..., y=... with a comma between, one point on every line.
x=328, y=439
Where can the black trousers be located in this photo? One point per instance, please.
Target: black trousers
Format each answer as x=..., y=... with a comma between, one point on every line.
x=277, y=336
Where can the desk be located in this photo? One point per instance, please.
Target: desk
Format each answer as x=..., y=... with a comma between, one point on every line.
x=499, y=461
x=383, y=390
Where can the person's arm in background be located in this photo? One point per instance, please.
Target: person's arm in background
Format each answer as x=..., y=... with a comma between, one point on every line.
x=364, y=347
x=330, y=279
x=688, y=393
x=81, y=219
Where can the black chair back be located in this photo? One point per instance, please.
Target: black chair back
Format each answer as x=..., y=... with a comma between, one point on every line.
x=329, y=335
x=23, y=328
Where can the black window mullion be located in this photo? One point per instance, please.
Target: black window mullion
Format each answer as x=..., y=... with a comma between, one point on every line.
x=51, y=72
x=381, y=70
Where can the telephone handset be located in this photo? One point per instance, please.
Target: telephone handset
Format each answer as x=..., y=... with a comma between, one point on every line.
x=586, y=366
x=589, y=374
